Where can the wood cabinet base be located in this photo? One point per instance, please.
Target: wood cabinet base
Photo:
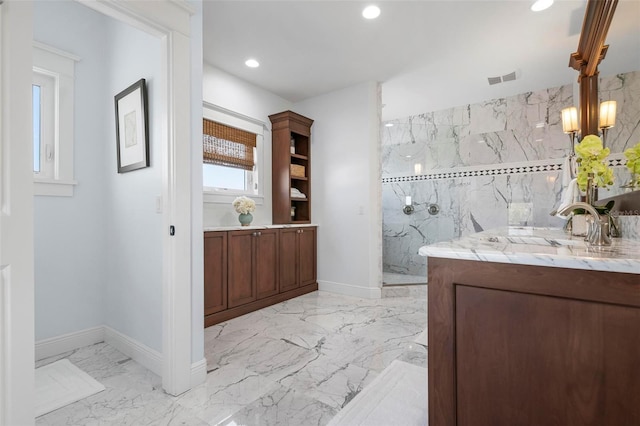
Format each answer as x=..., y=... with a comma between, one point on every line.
x=228, y=314
x=529, y=345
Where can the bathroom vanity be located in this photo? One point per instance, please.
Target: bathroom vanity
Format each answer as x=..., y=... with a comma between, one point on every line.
x=533, y=327
x=247, y=268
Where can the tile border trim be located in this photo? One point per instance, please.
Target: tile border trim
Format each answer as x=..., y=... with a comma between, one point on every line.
x=541, y=166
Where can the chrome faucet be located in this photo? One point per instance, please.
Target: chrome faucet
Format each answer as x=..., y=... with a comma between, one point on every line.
x=598, y=234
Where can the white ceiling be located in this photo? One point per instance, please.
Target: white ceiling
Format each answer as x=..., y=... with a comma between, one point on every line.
x=428, y=55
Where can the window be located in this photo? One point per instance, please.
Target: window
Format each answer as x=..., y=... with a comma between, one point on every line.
x=37, y=135
x=228, y=156
x=43, y=125
x=232, y=155
x=52, y=96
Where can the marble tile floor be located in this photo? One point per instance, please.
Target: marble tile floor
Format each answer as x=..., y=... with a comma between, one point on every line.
x=295, y=363
x=394, y=279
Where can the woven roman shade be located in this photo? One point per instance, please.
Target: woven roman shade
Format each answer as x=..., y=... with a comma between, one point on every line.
x=227, y=146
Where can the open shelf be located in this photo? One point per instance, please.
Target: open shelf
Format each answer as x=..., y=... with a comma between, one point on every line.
x=291, y=146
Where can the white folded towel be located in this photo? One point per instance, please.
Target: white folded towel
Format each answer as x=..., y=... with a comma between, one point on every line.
x=570, y=194
x=295, y=193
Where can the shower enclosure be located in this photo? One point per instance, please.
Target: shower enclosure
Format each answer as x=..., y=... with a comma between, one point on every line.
x=480, y=166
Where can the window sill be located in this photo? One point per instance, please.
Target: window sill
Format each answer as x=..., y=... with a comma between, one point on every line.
x=227, y=197
x=53, y=188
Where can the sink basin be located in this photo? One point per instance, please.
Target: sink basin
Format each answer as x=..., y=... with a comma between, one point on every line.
x=529, y=235
x=534, y=240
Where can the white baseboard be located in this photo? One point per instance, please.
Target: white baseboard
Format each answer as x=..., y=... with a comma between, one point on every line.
x=142, y=354
x=350, y=290
x=68, y=342
x=198, y=372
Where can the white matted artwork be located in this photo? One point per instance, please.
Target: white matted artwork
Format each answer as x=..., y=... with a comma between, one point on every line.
x=132, y=136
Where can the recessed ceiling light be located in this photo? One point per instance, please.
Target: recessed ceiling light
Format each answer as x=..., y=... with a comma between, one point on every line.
x=371, y=12
x=541, y=5
x=252, y=63
x=388, y=125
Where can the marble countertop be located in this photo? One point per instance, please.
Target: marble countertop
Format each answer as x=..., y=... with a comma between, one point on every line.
x=540, y=247
x=248, y=228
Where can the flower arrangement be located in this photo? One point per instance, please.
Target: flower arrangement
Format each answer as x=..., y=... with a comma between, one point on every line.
x=591, y=159
x=633, y=164
x=244, y=205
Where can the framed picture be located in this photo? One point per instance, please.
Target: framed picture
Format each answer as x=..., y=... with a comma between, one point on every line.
x=132, y=127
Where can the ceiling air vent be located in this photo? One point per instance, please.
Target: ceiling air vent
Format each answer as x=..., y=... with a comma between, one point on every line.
x=507, y=77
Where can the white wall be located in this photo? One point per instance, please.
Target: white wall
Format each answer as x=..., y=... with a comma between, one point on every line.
x=70, y=268
x=232, y=93
x=346, y=188
x=133, y=227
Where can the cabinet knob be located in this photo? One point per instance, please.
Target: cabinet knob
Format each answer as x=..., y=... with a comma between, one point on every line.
x=255, y=234
x=259, y=233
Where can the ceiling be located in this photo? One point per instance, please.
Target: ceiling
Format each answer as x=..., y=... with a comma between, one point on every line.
x=428, y=55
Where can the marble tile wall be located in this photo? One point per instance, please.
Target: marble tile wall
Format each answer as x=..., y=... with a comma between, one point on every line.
x=490, y=164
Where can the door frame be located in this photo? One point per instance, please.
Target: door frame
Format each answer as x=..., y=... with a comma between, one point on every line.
x=16, y=216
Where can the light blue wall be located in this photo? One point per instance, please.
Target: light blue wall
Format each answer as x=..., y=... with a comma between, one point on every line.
x=99, y=253
x=133, y=227
x=70, y=268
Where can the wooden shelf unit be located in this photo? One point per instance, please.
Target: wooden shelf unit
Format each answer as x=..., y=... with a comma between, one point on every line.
x=289, y=126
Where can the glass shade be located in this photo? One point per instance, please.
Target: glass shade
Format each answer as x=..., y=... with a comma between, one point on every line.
x=570, y=120
x=607, y=114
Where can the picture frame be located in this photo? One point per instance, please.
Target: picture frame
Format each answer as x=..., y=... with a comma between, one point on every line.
x=132, y=127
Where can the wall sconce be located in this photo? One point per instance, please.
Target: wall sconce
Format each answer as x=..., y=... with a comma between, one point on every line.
x=570, y=125
x=408, y=207
x=607, y=118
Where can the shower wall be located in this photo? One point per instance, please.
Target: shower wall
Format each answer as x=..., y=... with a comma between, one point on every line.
x=485, y=165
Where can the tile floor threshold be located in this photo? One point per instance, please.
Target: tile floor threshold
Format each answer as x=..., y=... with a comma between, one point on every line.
x=295, y=363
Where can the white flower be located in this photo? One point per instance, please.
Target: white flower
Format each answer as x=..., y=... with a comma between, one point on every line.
x=244, y=205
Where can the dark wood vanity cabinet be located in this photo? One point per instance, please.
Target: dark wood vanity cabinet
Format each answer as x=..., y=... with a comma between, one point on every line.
x=528, y=345
x=215, y=272
x=297, y=257
x=252, y=266
x=247, y=270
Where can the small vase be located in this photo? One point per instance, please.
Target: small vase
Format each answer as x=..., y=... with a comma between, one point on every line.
x=245, y=219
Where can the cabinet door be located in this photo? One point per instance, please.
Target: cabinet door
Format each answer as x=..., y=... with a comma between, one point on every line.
x=288, y=259
x=559, y=361
x=307, y=256
x=266, y=263
x=241, y=285
x=215, y=272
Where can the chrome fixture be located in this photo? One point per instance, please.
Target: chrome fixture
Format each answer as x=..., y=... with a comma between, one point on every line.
x=433, y=209
x=408, y=207
x=598, y=234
